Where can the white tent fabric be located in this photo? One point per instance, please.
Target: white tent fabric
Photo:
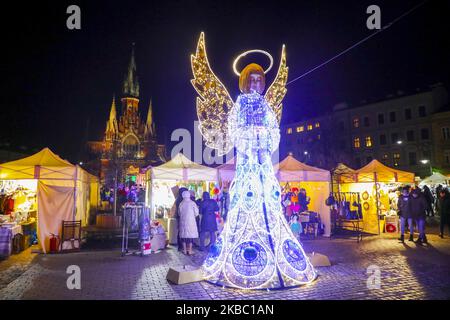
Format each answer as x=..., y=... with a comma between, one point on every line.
x=290, y=169
x=227, y=170
x=314, y=180
x=64, y=190
x=181, y=168
x=436, y=178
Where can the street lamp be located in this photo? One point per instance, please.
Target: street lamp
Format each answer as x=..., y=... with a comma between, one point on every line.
x=399, y=142
x=426, y=161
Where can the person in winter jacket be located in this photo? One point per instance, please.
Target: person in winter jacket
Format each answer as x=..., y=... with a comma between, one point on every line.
x=430, y=200
x=208, y=209
x=188, y=226
x=443, y=207
x=417, y=207
x=405, y=215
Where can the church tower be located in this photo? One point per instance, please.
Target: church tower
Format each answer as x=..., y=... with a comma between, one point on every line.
x=129, y=143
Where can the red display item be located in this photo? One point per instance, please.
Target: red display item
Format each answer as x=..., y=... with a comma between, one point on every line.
x=391, y=228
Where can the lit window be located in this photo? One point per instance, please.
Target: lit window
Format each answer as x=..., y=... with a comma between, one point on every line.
x=318, y=137
x=300, y=129
x=310, y=127
x=317, y=125
x=368, y=141
x=356, y=123
x=289, y=131
x=396, y=157
x=356, y=143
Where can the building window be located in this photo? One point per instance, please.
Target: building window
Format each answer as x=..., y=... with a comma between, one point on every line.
x=366, y=122
x=396, y=158
x=422, y=111
x=410, y=135
x=395, y=137
x=381, y=118
x=317, y=125
x=310, y=127
x=408, y=114
x=356, y=122
x=385, y=158
x=368, y=141
x=383, y=139
x=356, y=143
x=447, y=156
x=446, y=133
x=424, y=134
x=289, y=131
x=300, y=129
x=392, y=116
x=412, y=157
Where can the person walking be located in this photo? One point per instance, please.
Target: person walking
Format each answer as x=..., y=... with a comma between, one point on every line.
x=430, y=200
x=208, y=209
x=177, y=214
x=443, y=208
x=188, y=227
x=405, y=215
x=418, y=207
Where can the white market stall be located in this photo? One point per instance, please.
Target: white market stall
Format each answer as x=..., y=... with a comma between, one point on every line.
x=293, y=173
x=63, y=191
x=164, y=180
x=435, y=179
x=377, y=184
x=178, y=172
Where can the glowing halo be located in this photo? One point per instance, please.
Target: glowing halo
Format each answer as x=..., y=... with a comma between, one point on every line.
x=252, y=51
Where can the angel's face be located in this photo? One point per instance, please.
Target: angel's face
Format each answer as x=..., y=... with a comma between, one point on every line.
x=256, y=83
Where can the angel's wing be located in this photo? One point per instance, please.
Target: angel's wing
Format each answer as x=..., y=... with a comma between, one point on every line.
x=277, y=90
x=213, y=103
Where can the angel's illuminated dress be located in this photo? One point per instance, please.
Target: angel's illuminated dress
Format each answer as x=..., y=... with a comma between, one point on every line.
x=256, y=249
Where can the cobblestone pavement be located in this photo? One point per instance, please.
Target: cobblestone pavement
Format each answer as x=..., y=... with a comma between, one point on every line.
x=407, y=272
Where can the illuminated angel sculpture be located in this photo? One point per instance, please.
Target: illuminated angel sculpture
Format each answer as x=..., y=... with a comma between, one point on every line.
x=256, y=249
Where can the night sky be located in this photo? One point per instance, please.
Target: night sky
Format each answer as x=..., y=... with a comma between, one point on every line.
x=57, y=84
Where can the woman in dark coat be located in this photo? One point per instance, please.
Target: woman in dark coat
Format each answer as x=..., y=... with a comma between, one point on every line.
x=443, y=207
x=208, y=209
x=418, y=208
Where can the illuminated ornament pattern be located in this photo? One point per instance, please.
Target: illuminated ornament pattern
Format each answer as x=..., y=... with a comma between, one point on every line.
x=256, y=249
x=214, y=102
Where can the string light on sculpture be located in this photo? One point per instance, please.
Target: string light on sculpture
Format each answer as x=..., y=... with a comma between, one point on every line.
x=256, y=249
x=252, y=51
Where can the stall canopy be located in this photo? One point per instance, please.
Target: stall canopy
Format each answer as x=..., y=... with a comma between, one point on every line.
x=226, y=171
x=290, y=169
x=375, y=171
x=65, y=191
x=293, y=173
x=374, y=182
x=436, y=178
x=181, y=168
x=343, y=173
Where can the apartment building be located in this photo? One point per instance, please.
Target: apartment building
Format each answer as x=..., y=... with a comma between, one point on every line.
x=406, y=131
